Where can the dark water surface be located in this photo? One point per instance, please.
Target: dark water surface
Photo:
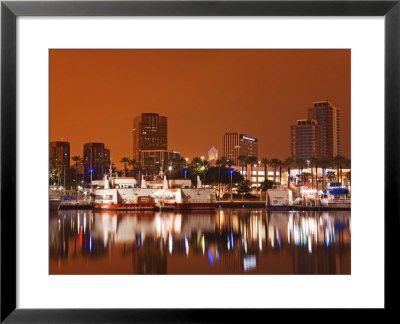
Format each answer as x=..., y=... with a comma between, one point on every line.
x=225, y=241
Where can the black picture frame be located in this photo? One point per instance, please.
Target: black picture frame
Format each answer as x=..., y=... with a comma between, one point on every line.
x=10, y=10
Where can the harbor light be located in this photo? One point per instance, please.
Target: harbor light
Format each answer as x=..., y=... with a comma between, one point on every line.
x=231, y=173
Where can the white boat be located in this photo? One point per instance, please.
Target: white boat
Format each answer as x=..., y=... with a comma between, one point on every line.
x=335, y=198
x=55, y=195
x=279, y=197
x=110, y=195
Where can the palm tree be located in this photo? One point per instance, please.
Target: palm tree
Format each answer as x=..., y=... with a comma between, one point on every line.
x=196, y=161
x=243, y=162
x=133, y=164
x=274, y=163
x=104, y=162
x=204, y=169
x=55, y=171
x=289, y=162
x=77, y=159
x=59, y=164
x=280, y=164
x=178, y=162
x=224, y=161
x=125, y=160
x=265, y=162
x=300, y=164
x=251, y=160
x=324, y=164
x=218, y=163
x=338, y=161
x=314, y=164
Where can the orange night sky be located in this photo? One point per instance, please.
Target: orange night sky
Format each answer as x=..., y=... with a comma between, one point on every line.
x=95, y=94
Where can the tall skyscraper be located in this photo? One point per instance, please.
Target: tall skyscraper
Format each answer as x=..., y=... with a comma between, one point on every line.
x=95, y=158
x=328, y=118
x=149, y=133
x=235, y=145
x=59, y=151
x=305, y=139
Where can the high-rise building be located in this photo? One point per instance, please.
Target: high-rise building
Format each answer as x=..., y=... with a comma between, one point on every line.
x=96, y=159
x=328, y=118
x=59, y=151
x=305, y=139
x=149, y=133
x=235, y=145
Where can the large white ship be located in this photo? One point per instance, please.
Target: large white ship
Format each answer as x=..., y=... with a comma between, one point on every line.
x=124, y=194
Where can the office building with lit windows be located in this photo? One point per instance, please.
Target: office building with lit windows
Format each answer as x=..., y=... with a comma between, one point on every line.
x=328, y=119
x=235, y=145
x=149, y=134
x=319, y=135
x=59, y=151
x=96, y=158
x=161, y=157
x=305, y=139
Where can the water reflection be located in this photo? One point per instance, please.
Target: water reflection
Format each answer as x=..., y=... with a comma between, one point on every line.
x=225, y=241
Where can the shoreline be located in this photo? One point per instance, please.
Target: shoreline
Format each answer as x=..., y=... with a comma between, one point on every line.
x=237, y=204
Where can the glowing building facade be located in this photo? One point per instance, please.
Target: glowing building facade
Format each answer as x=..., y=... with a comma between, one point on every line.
x=235, y=145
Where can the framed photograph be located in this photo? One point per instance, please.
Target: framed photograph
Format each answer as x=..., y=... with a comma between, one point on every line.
x=179, y=155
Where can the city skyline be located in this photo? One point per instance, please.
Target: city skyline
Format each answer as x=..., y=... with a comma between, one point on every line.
x=96, y=94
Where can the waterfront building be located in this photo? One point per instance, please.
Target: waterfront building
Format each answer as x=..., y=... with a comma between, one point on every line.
x=256, y=175
x=235, y=145
x=59, y=151
x=305, y=139
x=328, y=118
x=149, y=134
x=96, y=158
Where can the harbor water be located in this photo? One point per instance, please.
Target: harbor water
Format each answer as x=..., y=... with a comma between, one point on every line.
x=225, y=241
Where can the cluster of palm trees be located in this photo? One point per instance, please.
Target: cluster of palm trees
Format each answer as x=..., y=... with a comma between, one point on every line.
x=339, y=162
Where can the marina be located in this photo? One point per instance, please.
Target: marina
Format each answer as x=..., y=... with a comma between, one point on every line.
x=111, y=194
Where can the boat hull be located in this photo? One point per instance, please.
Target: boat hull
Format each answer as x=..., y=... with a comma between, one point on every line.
x=200, y=206
x=133, y=207
x=54, y=204
x=281, y=207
